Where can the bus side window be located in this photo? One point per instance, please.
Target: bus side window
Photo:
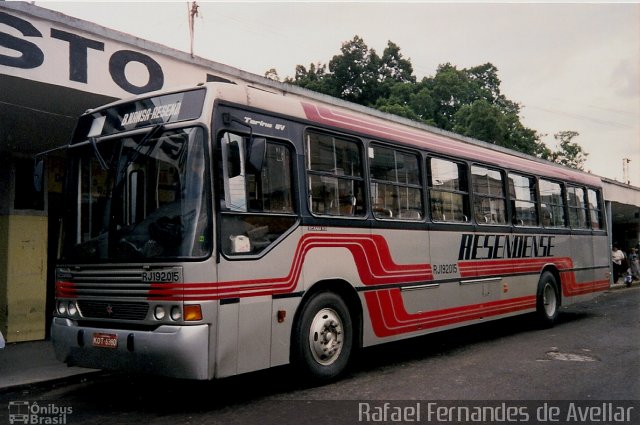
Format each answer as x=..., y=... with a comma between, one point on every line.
x=595, y=209
x=552, y=204
x=577, y=199
x=448, y=190
x=334, y=169
x=524, y=202
x=396, y=192
x=489, y=205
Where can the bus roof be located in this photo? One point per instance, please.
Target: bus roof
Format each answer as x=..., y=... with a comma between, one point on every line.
x=326, y=111
x=330, y=112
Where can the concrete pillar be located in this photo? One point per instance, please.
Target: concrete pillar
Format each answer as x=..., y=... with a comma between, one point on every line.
x=609, y=215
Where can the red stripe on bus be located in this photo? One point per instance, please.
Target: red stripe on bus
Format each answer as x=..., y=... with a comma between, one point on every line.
x=470, y=269
x=570, y=287
x=375, y=266
x=371, y=255
x=389, y=316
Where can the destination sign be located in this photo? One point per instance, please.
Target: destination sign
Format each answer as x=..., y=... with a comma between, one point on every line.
x=164, y=109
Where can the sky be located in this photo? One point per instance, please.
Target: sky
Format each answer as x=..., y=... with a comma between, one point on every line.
x=571, y=66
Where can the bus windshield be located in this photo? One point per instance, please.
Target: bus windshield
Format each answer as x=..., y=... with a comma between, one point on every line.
x=138, y=197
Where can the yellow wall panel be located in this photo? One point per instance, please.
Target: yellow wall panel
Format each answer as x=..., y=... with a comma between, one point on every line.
x=24, y=269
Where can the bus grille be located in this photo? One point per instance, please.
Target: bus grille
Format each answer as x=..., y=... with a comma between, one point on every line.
x=113, y=310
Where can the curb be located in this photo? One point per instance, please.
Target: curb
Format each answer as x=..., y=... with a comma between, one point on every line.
x=70, y=379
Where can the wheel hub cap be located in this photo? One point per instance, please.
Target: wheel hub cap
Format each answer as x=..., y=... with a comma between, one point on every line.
x=326, y=336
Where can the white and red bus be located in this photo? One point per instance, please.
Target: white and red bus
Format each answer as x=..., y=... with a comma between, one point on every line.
x=223, y=229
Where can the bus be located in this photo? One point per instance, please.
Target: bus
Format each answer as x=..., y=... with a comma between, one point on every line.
x=224, y=228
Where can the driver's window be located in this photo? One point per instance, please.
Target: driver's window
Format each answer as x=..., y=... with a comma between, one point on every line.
x=257, y=205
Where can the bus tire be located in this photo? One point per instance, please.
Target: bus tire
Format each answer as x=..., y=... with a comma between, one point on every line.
x=547, y=300
x=323, y=337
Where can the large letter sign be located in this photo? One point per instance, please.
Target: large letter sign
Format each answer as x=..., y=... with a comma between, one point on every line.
x=77, y=53
x=119, y=61
x=32, y=56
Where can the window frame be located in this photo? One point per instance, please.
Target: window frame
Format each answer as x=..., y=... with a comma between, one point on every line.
x=513, y=199
x=598, y=210
x=488, y=196
x=584, y=225
x=465, y=194
x=358, y=211
x=563, y=198
x=250, y=220
x=397, y=184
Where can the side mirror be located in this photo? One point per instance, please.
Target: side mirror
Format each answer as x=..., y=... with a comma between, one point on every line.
x=256, y=153
x=38, y=175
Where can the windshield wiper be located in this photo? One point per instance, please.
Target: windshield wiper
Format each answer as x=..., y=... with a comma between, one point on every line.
x=101, y=161
x=157, y=128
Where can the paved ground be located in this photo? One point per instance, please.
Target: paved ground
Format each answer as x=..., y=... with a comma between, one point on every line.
x=592, y=358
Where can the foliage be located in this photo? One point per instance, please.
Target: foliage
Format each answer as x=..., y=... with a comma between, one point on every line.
x=272, y=74
x=466, y=101
x=569, y=153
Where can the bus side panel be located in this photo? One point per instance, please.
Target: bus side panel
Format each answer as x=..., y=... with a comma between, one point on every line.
x=245, y=331
x=560, y=258
x=602, y=260
x=226, y=347
x=407, y=265
x=411, y=247
x=580, y=286
x=254, y=334
x=336, y=254
x=281, y=329
x=434, y=297
x=592, y=254
x=246, y=320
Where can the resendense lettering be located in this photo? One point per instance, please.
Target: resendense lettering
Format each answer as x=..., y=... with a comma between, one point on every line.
x=492, y=246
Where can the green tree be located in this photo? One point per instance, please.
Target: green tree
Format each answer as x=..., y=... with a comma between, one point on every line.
x=354, y=72
x=315, y=78
x=569, y=153
x=450, y=90
x=394, y=67
x=481, y=120
x=468, y=101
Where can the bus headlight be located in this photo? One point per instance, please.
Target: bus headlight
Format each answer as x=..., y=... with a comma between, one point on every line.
x=72, y=308
x=62, y=308
x=159, y=312
x=176, y=313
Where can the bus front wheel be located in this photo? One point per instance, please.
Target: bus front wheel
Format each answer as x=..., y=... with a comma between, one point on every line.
x=547, y=299
x=323, y=337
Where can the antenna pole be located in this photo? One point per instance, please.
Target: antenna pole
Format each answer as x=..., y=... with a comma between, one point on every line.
x=192, y=10
x=625, y=170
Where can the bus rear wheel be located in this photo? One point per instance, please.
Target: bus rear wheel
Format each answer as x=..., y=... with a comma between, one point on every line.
x=323, y=337
x=547, y=300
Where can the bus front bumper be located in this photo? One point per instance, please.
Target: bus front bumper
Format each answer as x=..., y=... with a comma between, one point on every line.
x=174, y=351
